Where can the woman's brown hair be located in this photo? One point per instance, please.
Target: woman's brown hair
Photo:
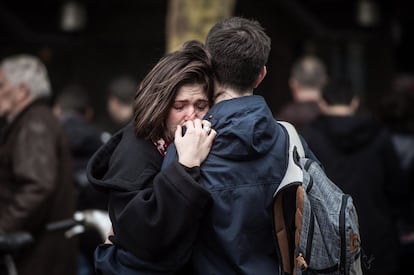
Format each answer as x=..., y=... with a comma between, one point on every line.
x=156, y=93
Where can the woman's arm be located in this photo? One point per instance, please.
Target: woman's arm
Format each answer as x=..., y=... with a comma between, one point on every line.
x=160, y=222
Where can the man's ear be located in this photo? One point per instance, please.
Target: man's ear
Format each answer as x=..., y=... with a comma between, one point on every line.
x=261, y=76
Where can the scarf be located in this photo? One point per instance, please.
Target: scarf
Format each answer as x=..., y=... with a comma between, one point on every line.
x=162, y=146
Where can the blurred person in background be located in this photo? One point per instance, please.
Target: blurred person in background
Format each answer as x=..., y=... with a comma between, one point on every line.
x=358, y=155
x=74, y=109
x=36, y=186
x=397, y=113
x=307, y=79
x=121, y=92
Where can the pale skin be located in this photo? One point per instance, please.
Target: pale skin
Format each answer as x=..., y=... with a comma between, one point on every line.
x=338, y=109
x=189, y=107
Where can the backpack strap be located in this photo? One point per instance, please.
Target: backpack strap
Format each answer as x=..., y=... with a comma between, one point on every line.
x=294, y=139
x=295, y=150
x=287, y=201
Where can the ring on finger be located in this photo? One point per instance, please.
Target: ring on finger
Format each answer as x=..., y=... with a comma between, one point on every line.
x=207, y=128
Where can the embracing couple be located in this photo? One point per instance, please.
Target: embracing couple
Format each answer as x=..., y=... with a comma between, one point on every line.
x=204, y=206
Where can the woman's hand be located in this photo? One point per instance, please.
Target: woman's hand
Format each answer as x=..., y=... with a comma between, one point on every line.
x=194, y=147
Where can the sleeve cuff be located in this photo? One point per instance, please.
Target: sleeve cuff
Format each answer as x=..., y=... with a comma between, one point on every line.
x=194, y=172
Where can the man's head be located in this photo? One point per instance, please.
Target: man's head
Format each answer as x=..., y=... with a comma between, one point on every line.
x=339, y=98
x=307, y=79
x=73, y=98
x=239, y=48
x=121, y=93
x=23, y=79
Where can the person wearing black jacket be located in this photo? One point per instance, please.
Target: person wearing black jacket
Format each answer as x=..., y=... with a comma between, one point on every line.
x=397, y=113
x=155, y=215
x=358, y=155
x=75, y=112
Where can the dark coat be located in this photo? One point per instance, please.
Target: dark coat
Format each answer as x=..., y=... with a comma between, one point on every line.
x=404, y=145
x=358, y=156
x=299, y=114
x=155, y=215
x=243, y=170
x=36, y=189
x=84, y=140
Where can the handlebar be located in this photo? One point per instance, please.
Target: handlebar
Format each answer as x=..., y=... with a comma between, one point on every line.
x=13, y=242
x=90, y=218
x=61, y=225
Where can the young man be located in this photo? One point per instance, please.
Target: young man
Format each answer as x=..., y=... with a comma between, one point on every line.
x=247, y=160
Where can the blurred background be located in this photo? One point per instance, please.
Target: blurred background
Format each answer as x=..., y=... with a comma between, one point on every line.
x=92, y=41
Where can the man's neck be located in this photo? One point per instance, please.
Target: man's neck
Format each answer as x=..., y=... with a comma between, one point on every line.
x=338, y=110
x=307, y=95
x=227, y=93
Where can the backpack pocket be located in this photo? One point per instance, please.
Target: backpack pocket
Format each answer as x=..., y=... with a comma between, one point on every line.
x=317, y=250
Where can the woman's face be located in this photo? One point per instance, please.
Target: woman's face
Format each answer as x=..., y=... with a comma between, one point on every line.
x=191, y=102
